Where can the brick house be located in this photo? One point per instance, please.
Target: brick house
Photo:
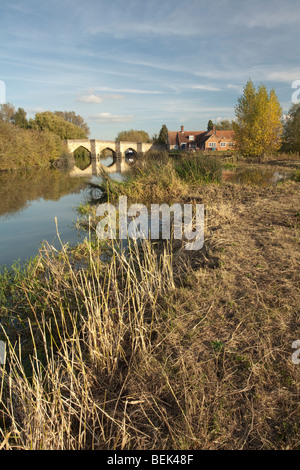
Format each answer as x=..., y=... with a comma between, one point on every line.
x=201, y=140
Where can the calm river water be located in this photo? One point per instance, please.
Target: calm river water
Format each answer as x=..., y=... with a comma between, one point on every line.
x=29, y=202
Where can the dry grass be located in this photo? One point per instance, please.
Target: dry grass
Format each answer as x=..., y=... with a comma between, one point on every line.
x=164, y=349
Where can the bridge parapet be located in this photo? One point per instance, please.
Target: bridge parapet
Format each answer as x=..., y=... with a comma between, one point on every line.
x=97, y=146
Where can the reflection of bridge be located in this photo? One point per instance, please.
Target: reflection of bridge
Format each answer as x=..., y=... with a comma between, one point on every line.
x=117, y=148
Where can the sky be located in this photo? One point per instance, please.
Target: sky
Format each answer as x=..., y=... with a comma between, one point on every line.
x=139, y=64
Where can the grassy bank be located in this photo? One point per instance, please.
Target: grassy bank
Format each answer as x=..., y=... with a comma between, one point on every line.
x=161, y=348
x=26, y=147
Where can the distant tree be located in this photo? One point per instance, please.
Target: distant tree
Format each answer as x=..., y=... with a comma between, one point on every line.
x=134, y=136
x=59, y=126
x=73, y=118
x=224, y=125
x=291, y=130
x=258, y=127
x=7, y=111
x=210, y=125
x=20, y=118
x=163, y=137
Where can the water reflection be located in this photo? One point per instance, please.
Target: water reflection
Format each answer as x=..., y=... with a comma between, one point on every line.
x=30, y=201
x=254, y=176
x=18, y=188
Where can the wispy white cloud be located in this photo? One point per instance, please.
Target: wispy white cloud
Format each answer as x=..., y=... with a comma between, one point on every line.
x=205, y=87
x=192, y=108
x=110, y=118
x=267, y=14
x=237, y=88
x=188, y=19
x=90, y=99
x=134, y=91
x=285, y=76
x=19, y=7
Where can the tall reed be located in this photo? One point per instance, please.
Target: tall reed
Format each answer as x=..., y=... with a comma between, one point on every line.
x=65, y=388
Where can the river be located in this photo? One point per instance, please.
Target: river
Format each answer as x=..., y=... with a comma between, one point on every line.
x=30, y=200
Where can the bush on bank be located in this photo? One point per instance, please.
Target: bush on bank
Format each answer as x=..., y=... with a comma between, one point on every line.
x=199, y=168
x=27, y=147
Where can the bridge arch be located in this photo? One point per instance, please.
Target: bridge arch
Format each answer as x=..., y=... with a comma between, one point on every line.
x=130, y=155
x=107, y=156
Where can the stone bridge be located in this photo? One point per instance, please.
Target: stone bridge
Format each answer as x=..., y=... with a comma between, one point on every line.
x=119, y=149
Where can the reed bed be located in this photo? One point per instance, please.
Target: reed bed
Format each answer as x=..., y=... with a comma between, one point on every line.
x=65, y=387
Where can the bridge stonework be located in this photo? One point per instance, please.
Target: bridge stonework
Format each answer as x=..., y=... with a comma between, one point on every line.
x=95, y=147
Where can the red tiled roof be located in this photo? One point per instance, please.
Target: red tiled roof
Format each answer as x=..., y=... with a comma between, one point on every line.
x=222, y=134
x=173, y=138
x=225, y=134
x=183, y=137
x=178, y=138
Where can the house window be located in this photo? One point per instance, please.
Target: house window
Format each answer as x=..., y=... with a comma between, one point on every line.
x=223, y=144
x=191, y=137
x=231, y=144
x=175, y=147
x=212, y=144
x=183, y=146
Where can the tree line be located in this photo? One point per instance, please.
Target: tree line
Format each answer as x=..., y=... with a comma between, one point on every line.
x=65, y=124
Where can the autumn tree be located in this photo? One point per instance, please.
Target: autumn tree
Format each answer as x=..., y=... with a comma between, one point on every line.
x=73, y=118
x=224, y=125
x=133, y=136
x=20, y=118
x=7, y=111
x=291, y=130
x=258, y=127
x=26, y=147
x=56, y=124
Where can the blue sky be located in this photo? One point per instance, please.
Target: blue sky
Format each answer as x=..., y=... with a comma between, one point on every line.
x=138, y=64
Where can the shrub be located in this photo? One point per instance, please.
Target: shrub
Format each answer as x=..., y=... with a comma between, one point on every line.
x=199, y=168
x=23, y=148
x=296, y=176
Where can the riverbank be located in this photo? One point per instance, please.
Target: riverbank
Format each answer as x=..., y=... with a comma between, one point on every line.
x=162, y=348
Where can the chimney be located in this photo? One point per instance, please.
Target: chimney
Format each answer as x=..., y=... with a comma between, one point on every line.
x=182, y=129
x=214, y=129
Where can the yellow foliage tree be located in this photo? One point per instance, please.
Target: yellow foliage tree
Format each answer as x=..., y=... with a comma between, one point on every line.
x=258, y=127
